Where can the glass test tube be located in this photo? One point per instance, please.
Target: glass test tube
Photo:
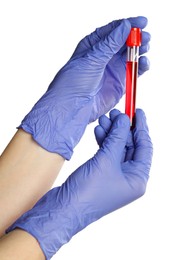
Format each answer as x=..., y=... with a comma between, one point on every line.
x=133, y=42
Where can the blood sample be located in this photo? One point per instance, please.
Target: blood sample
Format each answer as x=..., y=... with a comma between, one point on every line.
x=133, y=42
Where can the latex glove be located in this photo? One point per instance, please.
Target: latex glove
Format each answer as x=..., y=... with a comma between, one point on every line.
x=114, y=177
x=89, y=85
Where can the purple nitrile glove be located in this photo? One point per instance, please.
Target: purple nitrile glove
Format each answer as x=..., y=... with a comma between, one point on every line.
x=114, y=177
x=89, y=85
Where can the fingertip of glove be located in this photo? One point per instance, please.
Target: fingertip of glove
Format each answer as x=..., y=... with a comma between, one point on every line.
x=123, y=120
x=113, y=113
x=98, y=130
x=141, y=121
x=143, y=19
x=146, y=37
x=144, y=64
x=139, y=21
x=140, y=112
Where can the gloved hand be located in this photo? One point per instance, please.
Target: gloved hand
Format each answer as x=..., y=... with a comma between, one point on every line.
x=89, y=85
x=114, y=177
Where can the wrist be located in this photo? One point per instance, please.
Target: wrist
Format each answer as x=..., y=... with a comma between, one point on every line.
x=20, y=245
x=27, y=172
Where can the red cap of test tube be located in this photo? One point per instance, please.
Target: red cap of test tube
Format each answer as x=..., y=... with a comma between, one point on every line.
x=134, y=38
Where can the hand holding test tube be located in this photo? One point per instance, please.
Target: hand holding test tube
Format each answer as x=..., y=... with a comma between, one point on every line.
x=133, y=42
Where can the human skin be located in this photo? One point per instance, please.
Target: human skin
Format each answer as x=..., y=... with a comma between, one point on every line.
x=20, y=245
x=27, y=172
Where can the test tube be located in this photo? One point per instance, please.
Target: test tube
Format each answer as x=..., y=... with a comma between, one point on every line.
x=133, y=42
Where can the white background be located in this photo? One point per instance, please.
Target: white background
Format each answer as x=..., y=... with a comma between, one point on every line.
x=37, y=38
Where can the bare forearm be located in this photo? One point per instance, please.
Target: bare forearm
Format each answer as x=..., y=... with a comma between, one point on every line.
x=27, y=171
x=20, y=245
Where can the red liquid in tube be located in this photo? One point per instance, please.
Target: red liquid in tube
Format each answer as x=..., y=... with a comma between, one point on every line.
x=131, y=84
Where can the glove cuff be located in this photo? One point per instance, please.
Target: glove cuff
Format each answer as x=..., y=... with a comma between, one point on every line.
x=51, y=228
x=58, y=132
